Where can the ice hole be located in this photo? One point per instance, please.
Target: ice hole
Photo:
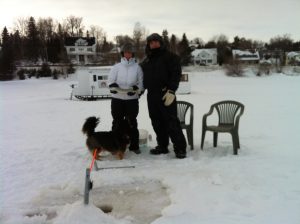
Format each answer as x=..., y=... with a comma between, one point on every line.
x=141, y=201
x=105, y=208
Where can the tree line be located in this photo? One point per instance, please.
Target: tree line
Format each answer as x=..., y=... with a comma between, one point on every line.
x=43, y=40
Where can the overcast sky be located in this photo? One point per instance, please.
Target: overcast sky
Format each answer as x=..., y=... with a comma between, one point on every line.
x=255, y=19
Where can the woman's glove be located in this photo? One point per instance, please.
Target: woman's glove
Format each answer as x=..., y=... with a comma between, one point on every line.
x=135, y=90
x=169, y=97
x=113, y=87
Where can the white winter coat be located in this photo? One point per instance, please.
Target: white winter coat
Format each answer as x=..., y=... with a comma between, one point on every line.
x=126, y=74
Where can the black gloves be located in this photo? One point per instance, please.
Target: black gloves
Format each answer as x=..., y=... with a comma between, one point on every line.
x=113, y=87
x=135, y=90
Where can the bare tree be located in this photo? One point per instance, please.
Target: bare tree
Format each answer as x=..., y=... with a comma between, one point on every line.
x=199, y=42
x=45, y=30
x=122, y=39
x=74, y=25
x=223, y=49
x=20, y=24
x=284, y=43
x=99, y=34
x=45, y=27
x=139, y=37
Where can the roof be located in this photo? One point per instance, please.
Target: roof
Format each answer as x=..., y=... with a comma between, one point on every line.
x=293, y=54
x=80, y=41
x=245, y=55
x=209, y=51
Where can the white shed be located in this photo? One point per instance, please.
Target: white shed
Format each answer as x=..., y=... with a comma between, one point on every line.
x=92, y=83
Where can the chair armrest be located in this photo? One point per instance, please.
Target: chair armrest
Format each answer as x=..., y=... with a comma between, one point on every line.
x=192, y=116
x=206, y=115
x=237, y=119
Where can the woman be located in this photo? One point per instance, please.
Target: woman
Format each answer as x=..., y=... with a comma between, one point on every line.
x=126, y=84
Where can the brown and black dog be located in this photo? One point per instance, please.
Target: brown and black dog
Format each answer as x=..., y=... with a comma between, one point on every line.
x=115, y=141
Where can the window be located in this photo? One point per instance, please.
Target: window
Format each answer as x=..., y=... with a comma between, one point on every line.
x=90, y=49
x=72, y=49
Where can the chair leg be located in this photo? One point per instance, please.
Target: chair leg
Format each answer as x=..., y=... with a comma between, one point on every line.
x=189, y=132
x=188, y=137
x=202, y=138
x=215, y=139
x=192, y=139
x=238, y=140
x=235, y=144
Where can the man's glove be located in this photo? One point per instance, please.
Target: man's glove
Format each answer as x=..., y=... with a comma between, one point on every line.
x=169, y=97
x=135, y=90
x=113, y=87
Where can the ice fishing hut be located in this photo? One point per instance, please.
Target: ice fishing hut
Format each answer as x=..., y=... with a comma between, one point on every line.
x=92, y=83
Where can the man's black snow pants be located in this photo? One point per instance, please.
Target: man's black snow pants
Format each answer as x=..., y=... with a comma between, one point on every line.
x=129, y=109
x=165, y=122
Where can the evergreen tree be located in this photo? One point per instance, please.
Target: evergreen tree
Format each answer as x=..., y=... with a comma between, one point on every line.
x=166, y=39
x=106, y=46
x=53, y=49
x=32, y=48
x=173, y=44
x=236, y=42
x=17, y=46
x=61, y=35
x=184, y=50
x=6, y=57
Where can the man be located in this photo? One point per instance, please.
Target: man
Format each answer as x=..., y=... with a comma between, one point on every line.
x=126, y=84
x=162, y=72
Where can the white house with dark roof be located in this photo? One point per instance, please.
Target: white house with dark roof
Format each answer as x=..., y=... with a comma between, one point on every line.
x=205, y=56
x=81, y=50
x=293, y=58
x=246, y=56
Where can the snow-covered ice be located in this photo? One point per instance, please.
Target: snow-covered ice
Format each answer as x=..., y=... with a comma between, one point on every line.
x=44, y=158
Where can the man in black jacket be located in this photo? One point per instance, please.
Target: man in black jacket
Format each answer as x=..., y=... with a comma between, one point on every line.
x=162, y=72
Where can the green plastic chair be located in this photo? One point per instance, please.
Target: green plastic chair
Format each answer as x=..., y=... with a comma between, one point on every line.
x=229, y=113
x=182, y=109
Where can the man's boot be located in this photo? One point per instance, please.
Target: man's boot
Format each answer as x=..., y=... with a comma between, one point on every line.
x=159, y=150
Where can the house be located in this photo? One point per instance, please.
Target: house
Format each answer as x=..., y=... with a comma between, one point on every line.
x=293, y=58
x=205, y=56
x=274, y=57
x=81, y=50
x=248, y=57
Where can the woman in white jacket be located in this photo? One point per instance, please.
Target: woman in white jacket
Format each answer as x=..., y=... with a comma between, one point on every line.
x=126, y=84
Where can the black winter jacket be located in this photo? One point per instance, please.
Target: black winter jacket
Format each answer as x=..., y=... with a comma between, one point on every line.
x=161, y=70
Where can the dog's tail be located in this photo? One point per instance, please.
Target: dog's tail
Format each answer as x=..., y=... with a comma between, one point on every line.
x=89, y=125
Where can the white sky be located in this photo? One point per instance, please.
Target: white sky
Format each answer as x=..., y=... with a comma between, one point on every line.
x=255, y=19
